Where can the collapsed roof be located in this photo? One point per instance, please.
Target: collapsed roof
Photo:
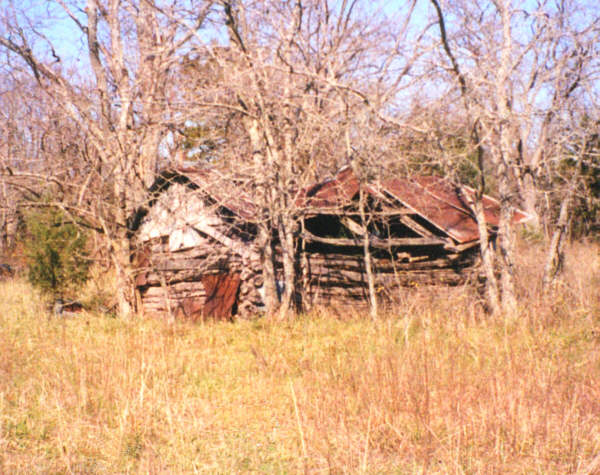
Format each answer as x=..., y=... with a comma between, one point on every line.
x=434, y=199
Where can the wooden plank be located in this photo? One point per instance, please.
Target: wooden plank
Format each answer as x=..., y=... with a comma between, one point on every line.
x=416, y=227
x=353, y=226
x=462, y=247
x=246, y=251
x=428, y=237
x=375, y=242
x=334, y=211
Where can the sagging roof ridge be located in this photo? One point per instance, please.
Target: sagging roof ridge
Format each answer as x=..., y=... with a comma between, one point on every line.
x=444, y=208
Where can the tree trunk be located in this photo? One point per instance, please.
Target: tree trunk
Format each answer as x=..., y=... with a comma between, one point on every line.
x=268, y=268
x=123, y=274
x=286, y=236
x=504, y=156
x=487, y=258
x=304, y=303
x=367, y=256
x=506, y=248
x=529, y=195
x=555, y=256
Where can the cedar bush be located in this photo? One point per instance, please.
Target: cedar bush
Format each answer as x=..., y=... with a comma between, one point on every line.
x=56, y=252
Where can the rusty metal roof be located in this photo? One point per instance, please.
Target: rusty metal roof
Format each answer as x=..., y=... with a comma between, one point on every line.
x=332, y=193
x=434, y=199
x=443, y=204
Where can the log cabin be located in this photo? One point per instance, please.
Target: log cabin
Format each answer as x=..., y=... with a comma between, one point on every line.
x=196, y=253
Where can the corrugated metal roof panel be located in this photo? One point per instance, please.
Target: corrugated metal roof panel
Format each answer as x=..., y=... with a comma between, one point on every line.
x=434, y=199
x=333, y=193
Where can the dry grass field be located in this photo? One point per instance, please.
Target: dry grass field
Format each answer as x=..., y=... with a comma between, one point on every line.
x=436, y=386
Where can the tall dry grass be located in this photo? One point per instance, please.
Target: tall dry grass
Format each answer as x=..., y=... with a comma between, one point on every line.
x=435, y=386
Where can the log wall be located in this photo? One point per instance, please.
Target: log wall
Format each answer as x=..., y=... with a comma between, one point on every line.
x=175, y=282
x=336, y=278
x=218, y=278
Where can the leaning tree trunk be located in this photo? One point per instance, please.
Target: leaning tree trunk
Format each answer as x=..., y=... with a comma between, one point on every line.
x=555, y=256
x=487, y=257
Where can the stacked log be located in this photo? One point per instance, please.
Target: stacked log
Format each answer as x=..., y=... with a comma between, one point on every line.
x=197, y=270
x=166, y=300
x=333, y=278
x=171, y=282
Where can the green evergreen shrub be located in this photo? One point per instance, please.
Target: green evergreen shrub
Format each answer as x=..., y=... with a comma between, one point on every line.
x=56, y=252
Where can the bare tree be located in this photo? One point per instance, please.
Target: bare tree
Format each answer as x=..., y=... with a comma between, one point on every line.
x=297, y=91
x=119, y=98
x=568, y=184
x=519, y=70
x=304, y=79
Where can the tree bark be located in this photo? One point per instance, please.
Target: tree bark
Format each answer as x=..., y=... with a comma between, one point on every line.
x=288, y=247
x=124, y=285
x=487, y=258
x=529, y=194
x=506, y=246
x=505, y=159
x=268, y=268
x=373, y=308
x=555, y=256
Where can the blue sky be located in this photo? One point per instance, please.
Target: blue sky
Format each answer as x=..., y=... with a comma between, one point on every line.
x=67, y=39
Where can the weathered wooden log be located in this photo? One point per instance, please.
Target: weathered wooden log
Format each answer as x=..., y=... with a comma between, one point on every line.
x=174, y=289
x=376, y=242
x=388, y=261
x=399, y=258
x=359, y=275
x=336, y=293
x=172, y=278
x=160, y=294
x=387, y=282
x=190, y=264
x=170, y=303
x=324, y=268
x=181, y=264
x=177, y=272
x=429, y=253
